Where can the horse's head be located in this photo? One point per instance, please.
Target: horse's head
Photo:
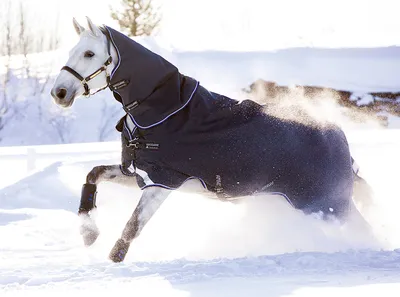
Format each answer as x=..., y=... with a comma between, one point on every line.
x=87, y=68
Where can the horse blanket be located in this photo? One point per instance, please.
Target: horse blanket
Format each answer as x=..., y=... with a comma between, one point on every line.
x=184, y=131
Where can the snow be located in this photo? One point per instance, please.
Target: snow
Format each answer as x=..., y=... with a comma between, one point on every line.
x=361, y=69
x=193, y=246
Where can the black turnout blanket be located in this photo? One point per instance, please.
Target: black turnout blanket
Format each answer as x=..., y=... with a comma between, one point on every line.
x=184, y=131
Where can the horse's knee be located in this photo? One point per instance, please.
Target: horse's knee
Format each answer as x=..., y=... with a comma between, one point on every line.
x=95, y=174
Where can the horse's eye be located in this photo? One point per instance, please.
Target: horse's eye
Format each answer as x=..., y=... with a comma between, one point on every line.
x=89, y=54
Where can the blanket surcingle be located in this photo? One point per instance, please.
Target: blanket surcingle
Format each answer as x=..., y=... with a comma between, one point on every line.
x=184, y=131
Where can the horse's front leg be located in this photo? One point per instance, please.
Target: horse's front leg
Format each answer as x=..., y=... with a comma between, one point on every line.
x=113, y=173
x=151, y=200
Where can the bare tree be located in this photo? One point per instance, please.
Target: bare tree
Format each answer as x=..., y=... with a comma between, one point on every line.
x=24, y=38
x=60, y=125
x=6, y=101
x=22, y=84
x=137, y=17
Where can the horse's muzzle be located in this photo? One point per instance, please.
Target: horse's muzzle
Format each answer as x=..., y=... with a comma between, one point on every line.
x=63, y=97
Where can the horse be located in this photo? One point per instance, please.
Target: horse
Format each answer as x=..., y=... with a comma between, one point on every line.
x=175, y=130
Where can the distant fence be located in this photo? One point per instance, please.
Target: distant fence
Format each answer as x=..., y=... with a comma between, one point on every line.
x=33, y=155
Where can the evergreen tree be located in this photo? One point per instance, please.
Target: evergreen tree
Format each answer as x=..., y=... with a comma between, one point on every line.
x=137, y=17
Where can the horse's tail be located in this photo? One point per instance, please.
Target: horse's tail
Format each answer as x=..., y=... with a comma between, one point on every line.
x=362, y=191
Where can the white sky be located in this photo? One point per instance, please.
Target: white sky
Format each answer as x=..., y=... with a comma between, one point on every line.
x=250, y=24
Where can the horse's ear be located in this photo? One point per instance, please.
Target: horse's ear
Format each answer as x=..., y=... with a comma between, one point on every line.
x=95, y=30
x=78, y=28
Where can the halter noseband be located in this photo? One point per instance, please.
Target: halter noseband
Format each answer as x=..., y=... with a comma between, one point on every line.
x=84, y=80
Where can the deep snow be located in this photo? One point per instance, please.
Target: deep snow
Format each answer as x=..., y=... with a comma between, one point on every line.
x=195, y=246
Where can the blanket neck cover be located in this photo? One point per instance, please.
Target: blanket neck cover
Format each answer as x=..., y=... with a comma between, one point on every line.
x=153, y=83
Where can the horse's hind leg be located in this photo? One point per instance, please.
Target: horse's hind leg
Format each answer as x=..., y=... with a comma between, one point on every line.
x=113, y=173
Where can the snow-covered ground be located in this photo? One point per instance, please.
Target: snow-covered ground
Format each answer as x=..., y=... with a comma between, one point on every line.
x=193, y=246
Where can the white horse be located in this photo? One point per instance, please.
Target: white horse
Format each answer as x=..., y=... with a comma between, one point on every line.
x=90, y=68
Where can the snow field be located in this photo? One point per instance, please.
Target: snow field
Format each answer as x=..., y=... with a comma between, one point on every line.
x=195, y=246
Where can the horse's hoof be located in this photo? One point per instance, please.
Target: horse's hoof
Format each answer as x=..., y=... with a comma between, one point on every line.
x=89, y=234
x=89, y=231
x=119, y=251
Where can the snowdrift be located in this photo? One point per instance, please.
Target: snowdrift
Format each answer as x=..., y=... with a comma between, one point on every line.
x=194, y=246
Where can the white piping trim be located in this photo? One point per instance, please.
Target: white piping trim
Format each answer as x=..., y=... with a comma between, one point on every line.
x=284, y=195
x=168, y=116
x=118, y=54
x=169, y=188
x=277, y=193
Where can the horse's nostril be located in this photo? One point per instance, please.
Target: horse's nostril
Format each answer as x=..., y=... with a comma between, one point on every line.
x=61, y=93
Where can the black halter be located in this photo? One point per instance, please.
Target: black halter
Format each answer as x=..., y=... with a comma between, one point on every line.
x=84, y=80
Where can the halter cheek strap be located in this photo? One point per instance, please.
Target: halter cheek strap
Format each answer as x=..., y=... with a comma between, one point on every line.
x=84, y=80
